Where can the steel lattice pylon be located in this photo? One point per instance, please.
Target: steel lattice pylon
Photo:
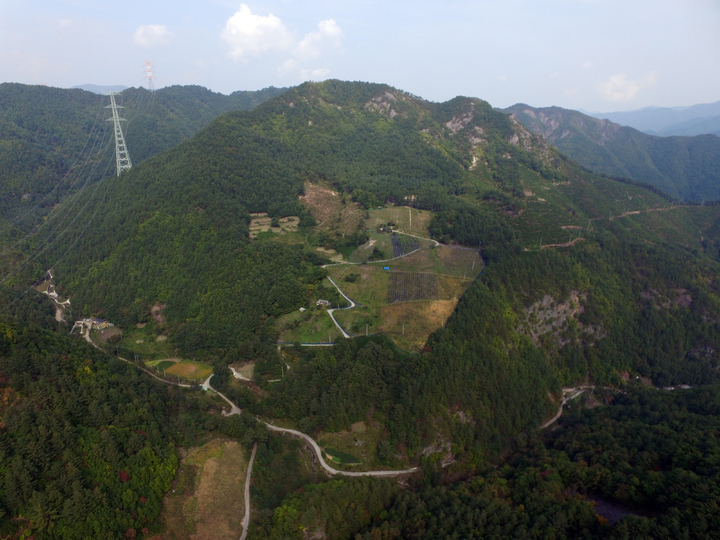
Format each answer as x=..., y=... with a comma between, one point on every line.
x=122, y=156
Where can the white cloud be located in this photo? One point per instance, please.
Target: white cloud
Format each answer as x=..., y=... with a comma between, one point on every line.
x=329, y=34
x=248, y=35
x=619, y=88
x=148, y=35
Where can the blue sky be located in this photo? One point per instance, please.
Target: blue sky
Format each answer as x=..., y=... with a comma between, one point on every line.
x=597, y=55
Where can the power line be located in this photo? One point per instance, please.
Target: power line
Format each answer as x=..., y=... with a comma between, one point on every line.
x=122, y=156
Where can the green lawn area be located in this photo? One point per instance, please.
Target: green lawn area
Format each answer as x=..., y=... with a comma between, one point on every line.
x=146, y=343
x=336, y=456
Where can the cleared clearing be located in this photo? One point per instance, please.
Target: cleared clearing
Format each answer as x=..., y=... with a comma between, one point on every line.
x=206, y=500
x=409, y=220
x=193, y=371
x=332, y=210
x=260, y=222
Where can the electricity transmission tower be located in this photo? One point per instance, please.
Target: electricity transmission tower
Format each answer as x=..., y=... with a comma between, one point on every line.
x=150, y=74
x=122, y=156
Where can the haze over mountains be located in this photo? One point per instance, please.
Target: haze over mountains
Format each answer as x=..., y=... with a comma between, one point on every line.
x=666, y=121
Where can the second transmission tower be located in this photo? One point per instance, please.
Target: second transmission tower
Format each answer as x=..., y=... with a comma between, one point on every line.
x=122, y=156
x=150, y=74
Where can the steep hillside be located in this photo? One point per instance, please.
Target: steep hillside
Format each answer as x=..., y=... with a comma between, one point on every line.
x=588, y=281
x=586, y=278
x=687, y=168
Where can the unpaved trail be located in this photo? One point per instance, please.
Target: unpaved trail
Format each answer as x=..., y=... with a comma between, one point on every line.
x=636, y=212
x=246, y=519
x=566, y=244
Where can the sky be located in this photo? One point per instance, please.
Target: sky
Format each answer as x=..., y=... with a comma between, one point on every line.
x=593, y=55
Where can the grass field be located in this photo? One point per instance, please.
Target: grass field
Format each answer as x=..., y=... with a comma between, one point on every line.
x=381, y=245
x=313, y=325
x=340, y=458
x=192, y=371
x=246, y=370
x=145, y=342
x=162, y=365
x=206, y=499
x=407, y=323
x=356, y=445
x=409, y=220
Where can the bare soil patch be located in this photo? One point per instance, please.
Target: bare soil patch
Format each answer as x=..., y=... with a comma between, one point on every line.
x=206, y=500
x=331, y=210
x=156, y=312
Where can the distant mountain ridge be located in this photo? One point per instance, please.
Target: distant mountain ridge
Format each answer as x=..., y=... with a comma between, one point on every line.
x=687, y=168
x=665, y=121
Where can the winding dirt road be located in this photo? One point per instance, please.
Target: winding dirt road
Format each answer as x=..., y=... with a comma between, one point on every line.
x=246, y=519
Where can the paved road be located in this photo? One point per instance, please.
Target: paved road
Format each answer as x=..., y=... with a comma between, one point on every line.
x=568, y=394
x=246, y=519
x=318, y=452
x=234, y=409
x=331, y=311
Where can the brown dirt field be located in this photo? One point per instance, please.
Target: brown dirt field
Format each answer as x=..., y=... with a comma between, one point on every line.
x=329, y=210
x=420, y=318
x=206, y=501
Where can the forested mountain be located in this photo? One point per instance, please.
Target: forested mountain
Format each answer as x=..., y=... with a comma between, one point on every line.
x=51, y=139
x=587, y=280
x=88, y=444
x=687, y=168
x=172, y=233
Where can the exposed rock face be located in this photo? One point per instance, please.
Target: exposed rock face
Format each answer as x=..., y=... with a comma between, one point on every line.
x=383, y=104
x=459, y=122
x=550, y=320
